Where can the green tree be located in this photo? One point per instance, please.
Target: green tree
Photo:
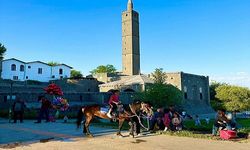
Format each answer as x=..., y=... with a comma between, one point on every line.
x=2, y=51
x=76, y=74
x=52, y=63
x=233, y=98
x=104, y=69
x=161, y=95
x=159, y=76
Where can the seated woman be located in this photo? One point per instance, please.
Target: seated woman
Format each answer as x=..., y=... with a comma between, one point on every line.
x=221, y=122
x=176, y=122
x=166, y=119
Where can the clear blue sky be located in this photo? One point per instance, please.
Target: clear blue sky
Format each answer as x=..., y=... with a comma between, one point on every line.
x=208, y=37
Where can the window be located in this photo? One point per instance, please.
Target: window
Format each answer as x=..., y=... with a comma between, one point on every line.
x=60, y=71
x=61, y=77
x=185, y=92
x=29, y=67
x=13, y=67
x=27, y=77
x=40, y=70
x=201, y=96
x=15, y=77
x=53, y=76
x=22, y=68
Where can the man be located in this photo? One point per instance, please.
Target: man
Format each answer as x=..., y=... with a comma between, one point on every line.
x=113, y=102
x=44, y=110
x=18, y=110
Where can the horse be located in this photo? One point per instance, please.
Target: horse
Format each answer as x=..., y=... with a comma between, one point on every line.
x=132, y=110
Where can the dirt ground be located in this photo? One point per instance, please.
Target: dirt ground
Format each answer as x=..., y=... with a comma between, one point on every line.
x=154, y=142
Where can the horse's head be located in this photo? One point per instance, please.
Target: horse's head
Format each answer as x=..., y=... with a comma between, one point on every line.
x=146, y=108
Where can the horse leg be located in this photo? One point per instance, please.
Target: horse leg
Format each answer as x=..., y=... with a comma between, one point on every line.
x=131, y=124
x=121, y=121
x=86, y=126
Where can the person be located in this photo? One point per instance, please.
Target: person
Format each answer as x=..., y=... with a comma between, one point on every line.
x=197, y=120
x=176, y=122
x=166, y=119
x=221, y=122
x=207, y=120
x=157, y=119
x=18, y=110
x=44, y=110
x=113, y=102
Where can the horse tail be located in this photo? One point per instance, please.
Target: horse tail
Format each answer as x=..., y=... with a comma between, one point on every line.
x=79, y=117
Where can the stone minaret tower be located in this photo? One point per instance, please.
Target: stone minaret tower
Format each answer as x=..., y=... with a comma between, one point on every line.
x=130, y=41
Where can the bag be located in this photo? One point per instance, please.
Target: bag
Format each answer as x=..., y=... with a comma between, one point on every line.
x=227, y=134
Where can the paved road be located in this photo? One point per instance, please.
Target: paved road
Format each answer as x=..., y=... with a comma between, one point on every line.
x=29, y=131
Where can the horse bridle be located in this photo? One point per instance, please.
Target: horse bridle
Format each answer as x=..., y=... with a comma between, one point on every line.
x=136, y=115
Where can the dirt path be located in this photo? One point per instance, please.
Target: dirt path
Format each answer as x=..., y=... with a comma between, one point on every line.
x=159, y=142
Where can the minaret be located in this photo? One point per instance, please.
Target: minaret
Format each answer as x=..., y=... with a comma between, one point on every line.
x=130, y=41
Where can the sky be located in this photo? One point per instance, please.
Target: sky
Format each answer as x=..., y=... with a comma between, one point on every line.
x=205, y=37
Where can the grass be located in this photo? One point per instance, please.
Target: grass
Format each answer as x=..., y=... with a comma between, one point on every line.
x=204, y=131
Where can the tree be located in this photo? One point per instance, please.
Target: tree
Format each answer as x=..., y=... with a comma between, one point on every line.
x=104, y=69
x=161, y=95
x=76, y=74
x=213, y=87
x=52, y=63
x=2, y=51
x=159, y=76
x=233, y=98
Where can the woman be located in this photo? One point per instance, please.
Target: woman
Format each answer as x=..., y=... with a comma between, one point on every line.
x=113, y=102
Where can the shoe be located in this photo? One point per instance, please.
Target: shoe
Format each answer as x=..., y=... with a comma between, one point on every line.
x=108, y=114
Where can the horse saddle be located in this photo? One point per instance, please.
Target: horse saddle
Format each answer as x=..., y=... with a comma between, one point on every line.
x=104, y=110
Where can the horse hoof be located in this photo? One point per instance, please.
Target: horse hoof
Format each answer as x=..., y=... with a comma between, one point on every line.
x=89, y=135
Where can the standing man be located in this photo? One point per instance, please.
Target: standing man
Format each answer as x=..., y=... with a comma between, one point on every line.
x=18, y=110
x=44, y=110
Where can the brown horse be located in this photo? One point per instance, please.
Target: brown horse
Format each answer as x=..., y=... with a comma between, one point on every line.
x=132, y=110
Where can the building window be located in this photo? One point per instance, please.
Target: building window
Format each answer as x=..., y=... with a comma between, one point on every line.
x=22, y=68
x=40, y=70
x=27, y=77
x=201, y=96
x=61, y=77
x=13, y=67
x=29, y=67
x=185, y=92
x=60, y=71
x=15, y=77
x=53, y=76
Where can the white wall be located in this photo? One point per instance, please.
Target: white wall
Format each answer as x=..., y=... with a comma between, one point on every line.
x=8, y=74
x=66, y=71
x=32, y=72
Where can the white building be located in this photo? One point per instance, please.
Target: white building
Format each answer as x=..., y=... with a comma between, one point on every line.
x=15, y=69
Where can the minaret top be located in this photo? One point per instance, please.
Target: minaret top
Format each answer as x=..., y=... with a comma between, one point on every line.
x=130, y=5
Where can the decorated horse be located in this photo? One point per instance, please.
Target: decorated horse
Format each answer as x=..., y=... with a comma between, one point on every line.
x=130, y=111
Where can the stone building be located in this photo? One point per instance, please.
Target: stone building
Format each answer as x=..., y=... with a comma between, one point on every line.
x=130, y=41
x=195, y=89
x=136, y=83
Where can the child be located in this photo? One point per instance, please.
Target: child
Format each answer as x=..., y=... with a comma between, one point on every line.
x=207, y=120
x=176, y=122
x=197, y=120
